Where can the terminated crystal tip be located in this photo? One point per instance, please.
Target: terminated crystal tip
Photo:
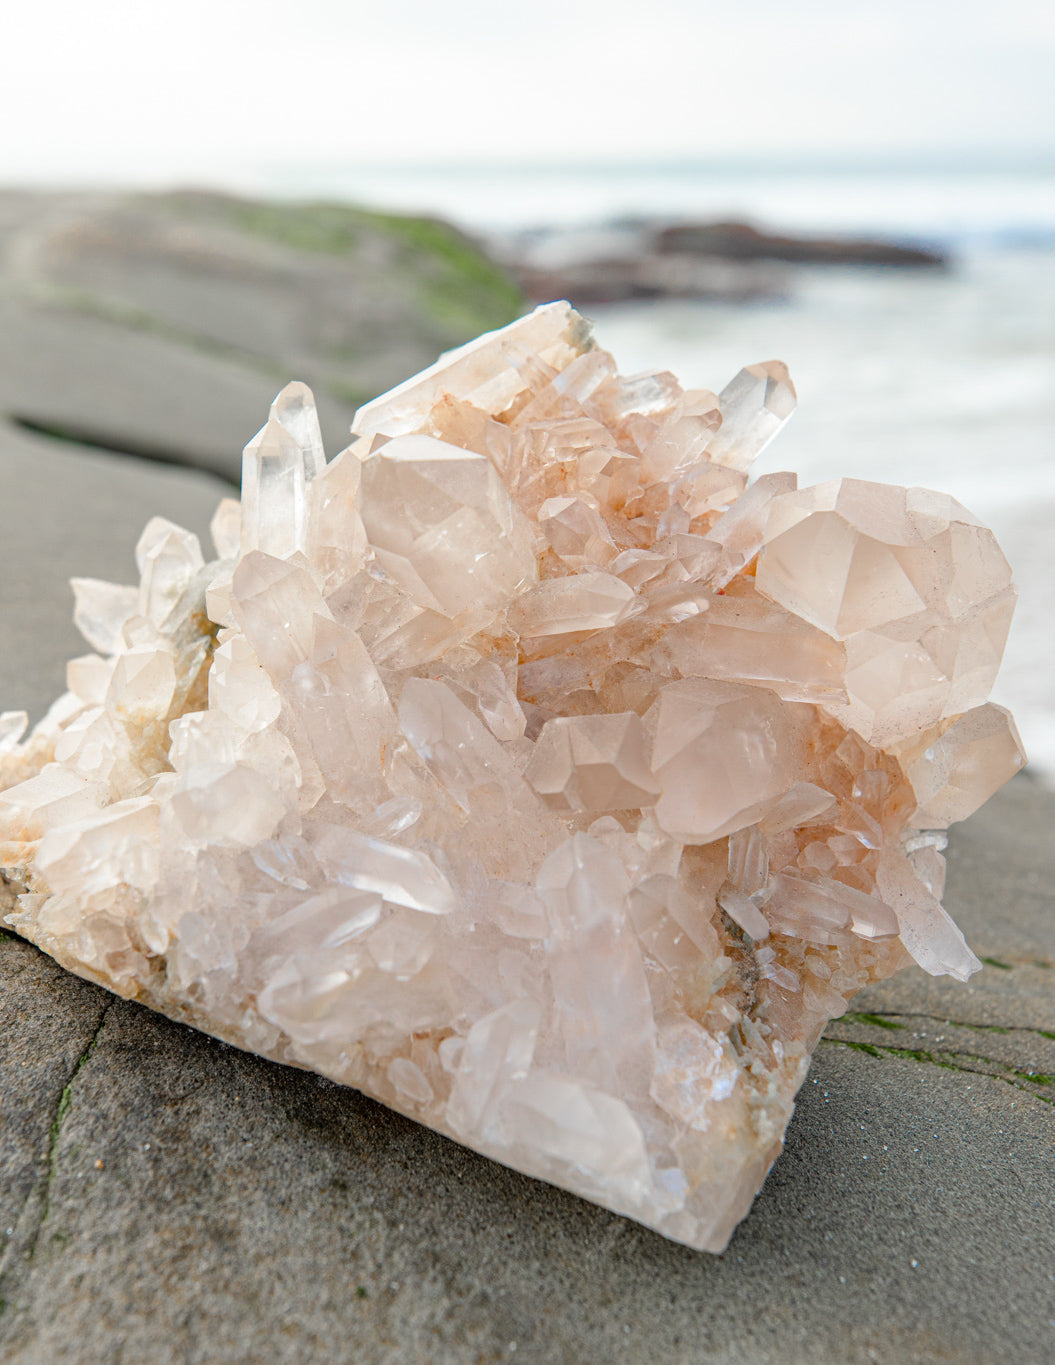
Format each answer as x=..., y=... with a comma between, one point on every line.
x=525, y=767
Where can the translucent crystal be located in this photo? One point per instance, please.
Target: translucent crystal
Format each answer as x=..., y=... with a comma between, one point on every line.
x=337, y=538
x=226, y=528
x=497, y=1052
x=740, y=530
x=558, y=606
x=101, y=610
x=108, y=849
x=400, y=875
x=722, y=754
x=167, y=557
x=294, y=408
x=594, y=763
x=524, y=766
x=226, y=804
x=276, y=605
x=957, y=769
x=485, y=373
x=278, y=464
x=917, y=590
x=576, y=532
x=12, y=728
x=442, y=524
x=603, y=1013
x=754, y=406
x=53, y=797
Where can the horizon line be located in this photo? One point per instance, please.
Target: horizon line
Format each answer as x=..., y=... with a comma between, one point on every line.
x=928, y=162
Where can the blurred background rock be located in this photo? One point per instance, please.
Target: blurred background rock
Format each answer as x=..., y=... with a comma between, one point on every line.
x=161, y=325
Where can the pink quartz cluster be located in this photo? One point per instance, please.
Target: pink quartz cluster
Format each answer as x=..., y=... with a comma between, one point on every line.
x=525, y=766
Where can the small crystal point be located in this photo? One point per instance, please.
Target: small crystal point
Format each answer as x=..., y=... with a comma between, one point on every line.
x=278, y=465
x=101, y=610
x=226, y=528
x=559, y=606
x=295, y=409
x=485, y=372
x=754, y=405
x=530, y=772
x=12, y=728
x=168, y=558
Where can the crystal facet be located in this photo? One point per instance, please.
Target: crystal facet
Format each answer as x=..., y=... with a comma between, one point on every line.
x=524, y=767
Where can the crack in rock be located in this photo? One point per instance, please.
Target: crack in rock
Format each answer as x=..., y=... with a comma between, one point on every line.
x=886, y=1019
x=1018, y=1077
x=42, y=1188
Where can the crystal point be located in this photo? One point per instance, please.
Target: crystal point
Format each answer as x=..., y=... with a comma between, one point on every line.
x=534, y=773
x=754, y=405
x=294, y=408
x=278, y=465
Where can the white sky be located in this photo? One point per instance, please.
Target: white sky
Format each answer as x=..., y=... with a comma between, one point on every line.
x=148, y=90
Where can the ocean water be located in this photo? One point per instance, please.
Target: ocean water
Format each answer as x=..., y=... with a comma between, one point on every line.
x=936, y=205
x=943, y=380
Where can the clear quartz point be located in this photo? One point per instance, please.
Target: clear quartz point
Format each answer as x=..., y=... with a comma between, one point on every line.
x=278, y=464
x=12, y=727
x=524, y=767
x=294, y=408
x=754, y=405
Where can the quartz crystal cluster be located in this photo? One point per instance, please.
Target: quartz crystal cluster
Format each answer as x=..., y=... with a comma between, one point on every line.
x=525, y=766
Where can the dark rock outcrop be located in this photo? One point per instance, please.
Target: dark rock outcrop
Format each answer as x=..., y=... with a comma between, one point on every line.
x=717, y=262
x=735, y=241
x=649, y=276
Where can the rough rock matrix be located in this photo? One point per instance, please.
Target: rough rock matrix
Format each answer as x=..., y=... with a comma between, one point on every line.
x=524, y=767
